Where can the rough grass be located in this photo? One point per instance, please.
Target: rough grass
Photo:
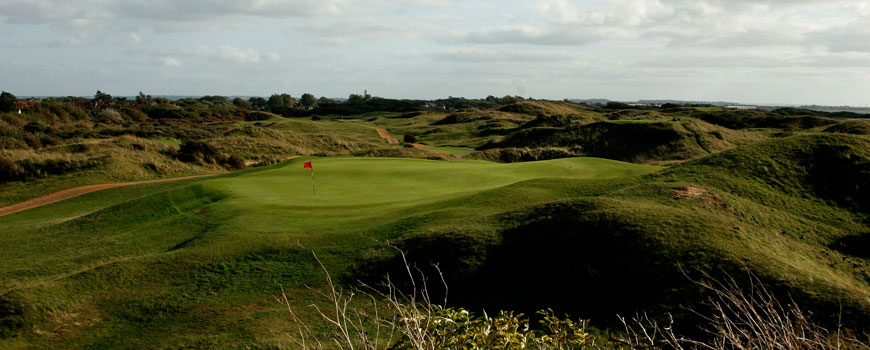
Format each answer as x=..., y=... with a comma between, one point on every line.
x=642, y=142
x=120, y=159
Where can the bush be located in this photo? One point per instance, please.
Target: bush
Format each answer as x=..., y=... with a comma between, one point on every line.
x=410, y=139
x=8, y=169
x=135, y=114
x=315, y=118
x=32, y=141
x=109, y=115
x=235, y=162
x=34, y=127
x=256, y=116
x=200, y=151
x=13, y=119
x=739, y=317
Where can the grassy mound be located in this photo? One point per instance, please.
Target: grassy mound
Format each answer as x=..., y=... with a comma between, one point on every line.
x=536, y=108
x=773, y=208
x=855, y=127
x=788, y=119
x=629, y=141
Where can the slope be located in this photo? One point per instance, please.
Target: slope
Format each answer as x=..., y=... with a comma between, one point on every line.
x=196, y=264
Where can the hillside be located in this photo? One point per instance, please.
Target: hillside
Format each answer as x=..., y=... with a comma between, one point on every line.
x=641, y=141
x=669, y=193
x=617, y=247
x=136, y=265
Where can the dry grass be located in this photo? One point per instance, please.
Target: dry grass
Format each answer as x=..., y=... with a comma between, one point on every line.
x=740, y=317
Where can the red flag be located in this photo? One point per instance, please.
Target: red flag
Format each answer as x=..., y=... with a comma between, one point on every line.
x=307, y=165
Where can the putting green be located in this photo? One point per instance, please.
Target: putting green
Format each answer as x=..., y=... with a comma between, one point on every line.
x=361, y=182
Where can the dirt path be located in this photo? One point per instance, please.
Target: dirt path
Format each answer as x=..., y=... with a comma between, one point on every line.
x=384, y=134
x=78, y=191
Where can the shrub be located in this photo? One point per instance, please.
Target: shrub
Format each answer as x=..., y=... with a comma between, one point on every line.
x=256, y=116
x=32, y=141
x=410, y=139
x=109, y=115
x=200, y=151
x=13, y=119
x=135, y=114
x=739, y=317
x=8, y=169
x=235, y=162
x=34, y=127
x=315, y=118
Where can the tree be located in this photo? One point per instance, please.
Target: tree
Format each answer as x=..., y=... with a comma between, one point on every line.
x=7, y=102
x=102, y=96
x=308, y=100
x=257, y=103
x=143, y=99
x=325, y=101
x=355, y=99
x=240, y=103
x=278, y=103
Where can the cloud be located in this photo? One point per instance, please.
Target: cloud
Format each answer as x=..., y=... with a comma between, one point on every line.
x=170, y=61
x=720, y=23
x=234, y=54
x=491, y=55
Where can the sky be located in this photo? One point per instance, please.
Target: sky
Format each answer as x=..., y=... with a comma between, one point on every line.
x=761, y=52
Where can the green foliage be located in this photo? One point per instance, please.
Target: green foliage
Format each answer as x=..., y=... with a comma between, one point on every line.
x=280, y=104
x=200, y=151
x=206, y=153
x=258, y=103
x=7, y=102
x=27, y=168
x=457, y=328
x=102, y=97
x=257, y=116
x=8, y=169
x=308, y=100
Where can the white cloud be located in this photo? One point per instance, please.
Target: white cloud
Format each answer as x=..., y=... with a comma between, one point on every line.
x=135, y=38
x=233, y=54
x=170, y=61
x=682, y=22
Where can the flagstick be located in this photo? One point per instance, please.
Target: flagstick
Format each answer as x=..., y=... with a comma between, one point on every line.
x=313, y=191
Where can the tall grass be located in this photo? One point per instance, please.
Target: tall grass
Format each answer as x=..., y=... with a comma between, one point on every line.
x=739, y=317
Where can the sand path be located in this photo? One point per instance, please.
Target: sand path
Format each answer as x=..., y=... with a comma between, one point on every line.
x=78, y=191
x=384, y=134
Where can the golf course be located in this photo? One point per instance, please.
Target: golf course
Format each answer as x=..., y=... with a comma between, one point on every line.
x=523, y=206
x=106, y=256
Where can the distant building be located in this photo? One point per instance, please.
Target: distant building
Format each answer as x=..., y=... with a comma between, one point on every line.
x=23, y=104
x=741, y=107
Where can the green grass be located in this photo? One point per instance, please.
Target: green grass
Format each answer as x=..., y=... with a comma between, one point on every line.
x=137, y=265
x=451, y=150
x=166, y=141
x=195, y=263
x=637, y=121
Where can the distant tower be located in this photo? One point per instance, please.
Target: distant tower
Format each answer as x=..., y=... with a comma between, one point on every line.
x=366, y=94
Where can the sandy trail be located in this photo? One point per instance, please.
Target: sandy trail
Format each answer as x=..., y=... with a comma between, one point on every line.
x=78, y=191
x=384, y=134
